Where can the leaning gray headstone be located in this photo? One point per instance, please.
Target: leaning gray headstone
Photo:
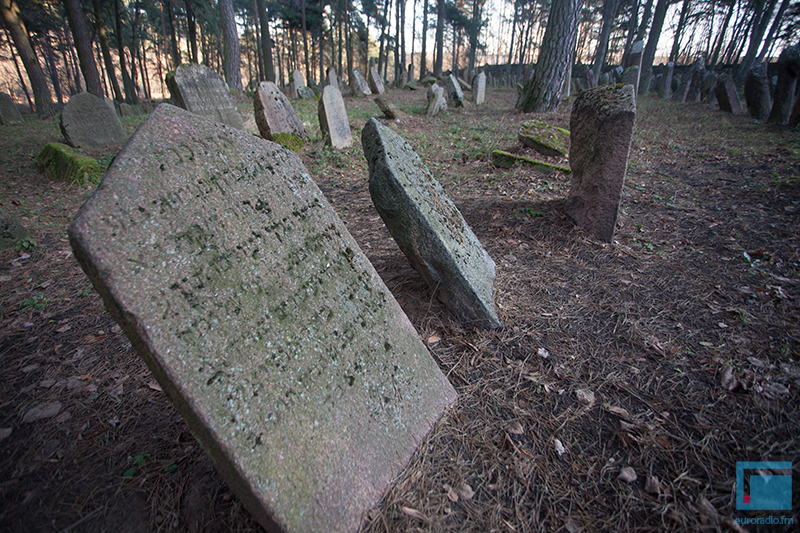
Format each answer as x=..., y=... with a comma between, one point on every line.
x=631, y=77
x=9, y=114
x=788, y=67
x=201, y=91
x=727, y=96
x=262, y=320
x=428, y=228
x=274, y=112
x=437, y=103
x=683, y=87
x=601, y=129
x=709, y=82
x=756, y=93
x=87, y=122
x=605, y=78
x=298, y=78
x=695, y=91
x=331, y=78
x=455, y=95
x=589, y=78
x=479, y=88
x=634, y=57
x=375, y=81
x=11, y=231
x=359, y=85
x=666, y=88
x=389, y=110
x=333, y=118
x=306, y=93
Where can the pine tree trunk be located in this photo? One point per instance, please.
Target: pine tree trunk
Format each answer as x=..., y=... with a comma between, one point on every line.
x=437, y=66
x=609, y=13
x=423, y=60
x=19, y=74
x=266, y=40
x=676, y=43
x=175, y=51
x=83, y=44
x=649, y=54
x=542, y=93
x=109, y=63
x=19, y=34
x=50, y=61
x=191, y=27
x=231, y=61
x=127, y=84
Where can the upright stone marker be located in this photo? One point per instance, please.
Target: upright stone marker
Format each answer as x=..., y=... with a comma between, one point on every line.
x=375, y=81
x=87, y=121
x=666, y=89
x=601, y=129
x=589, y=78
x=788, y=72
x=201, y=91
x=727, y=96
x=274, y=112
x=436, y=101
x=333, y=119
x=9, y=114
x=261, y=319
x=696, y=86
x=359, y=85
x=428, y=228
x=479, y=88
x=331, y=78
x=756, y=93
x=455, y=95
x=631, y=77
x=634, y=59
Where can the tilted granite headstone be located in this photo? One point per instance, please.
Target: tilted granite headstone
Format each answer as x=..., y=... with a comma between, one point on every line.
x=274, y=112
x=305, y=92
x=262, y=320
x=331, y=78
x=548, y=140
x=389, y=110
x=666, y=88
x=794, y=118
x=605, y=78
x=428, y=228
x=634, y=57
x=601, y=129
x=589, y=78
x=436, y=101
x=631, y=77
x=200, y=90
x=88, y=122
x=683, y=87
x=375, y=81
x=756, y=93
x=359, y=85
x=479, y=88
x=455, y=96
x=788, y=67
x=728, y=96
x=695, y=91
x=333, y=119
x=709, y=82
x=9, y=114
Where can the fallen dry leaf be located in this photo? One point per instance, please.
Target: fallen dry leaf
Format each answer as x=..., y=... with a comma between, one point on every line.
x=729, y=381
x=653, y=485
x=433, y=339
x=628, y=474
x=465, y=491
x=413, y=513
x=619, y=411
x=585, y=396
x=516, y=428
x=39, y=412
x=452, y=495
x=541, y=352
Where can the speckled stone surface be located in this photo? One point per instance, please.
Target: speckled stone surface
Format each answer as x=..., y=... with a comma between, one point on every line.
x=333, y=119
x=274, y=112
x=87, y=121
x=428, y=227
x=202, y=91
x=261, y=319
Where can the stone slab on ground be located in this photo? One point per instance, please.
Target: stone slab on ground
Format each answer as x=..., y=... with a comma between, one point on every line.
x=274, y=112
x=546, y=139
x=333, y=121
x=504, y=159
x=437, y=103
x=201, y=91
x=61, y=163
x=389, y=109
x=261, y=319
x=87, y=121
x=601, y=129
x=428, y=227
x=9, y=114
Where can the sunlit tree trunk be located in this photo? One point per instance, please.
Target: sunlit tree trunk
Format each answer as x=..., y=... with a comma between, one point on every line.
x=649, y=54
x=231, y=60
x=266, y=40
x=423, y=60
x=761, y=19
x=175, y=51
x=127, y=84
x=19, y=73
x=109, y=63
x=83, y=44
x=676, y=43
x=191, y=27
x=609, y=14
x=440, y=10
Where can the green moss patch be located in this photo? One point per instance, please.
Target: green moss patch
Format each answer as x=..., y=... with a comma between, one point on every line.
x=291, y=141
x=507, y=160
x=62, y=163
x=546, y=139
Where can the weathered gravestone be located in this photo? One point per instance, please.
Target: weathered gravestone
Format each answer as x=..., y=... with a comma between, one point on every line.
x=87, y=121
x=358, y=84
x=605, y=78
x=645, y=81
x=201, y=91
x=683, y=87
x=695, y=91
x=375, y=81
x=389, y=110
x=794, y=118
x=331, y=78
x=589, y=78
x=262, y=320
x=436, y=101
x=454, y=93
x=756, y=92
x=666, y=88
x=709, y=82
x=428, y=228
x=727, y=96
x=546, y=139
x=9, y=114
x=788, y=66
x=631, y=77
x=479, y=88
x=601, y=128
x=274, y=112
x=11, y=231
x=333, y=118
x=634, y=57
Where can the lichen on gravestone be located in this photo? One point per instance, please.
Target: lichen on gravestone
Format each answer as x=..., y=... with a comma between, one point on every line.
x=546, y=139
x=61, y=163
x=504, y=159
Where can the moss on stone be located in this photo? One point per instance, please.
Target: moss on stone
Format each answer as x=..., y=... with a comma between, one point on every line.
x=544, y=138
x=61, y=163
x=507, y=160
x=291, y=141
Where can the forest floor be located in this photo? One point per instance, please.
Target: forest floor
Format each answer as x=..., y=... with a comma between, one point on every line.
x=667, y=355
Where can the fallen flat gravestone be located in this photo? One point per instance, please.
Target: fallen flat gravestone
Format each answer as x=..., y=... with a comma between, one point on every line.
x=201, y=91
x=601, y=129
x=428, y=228
x=333, y=119
x=9, y=114
x=87, y=121
x=274, y=112
x=261, y=319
